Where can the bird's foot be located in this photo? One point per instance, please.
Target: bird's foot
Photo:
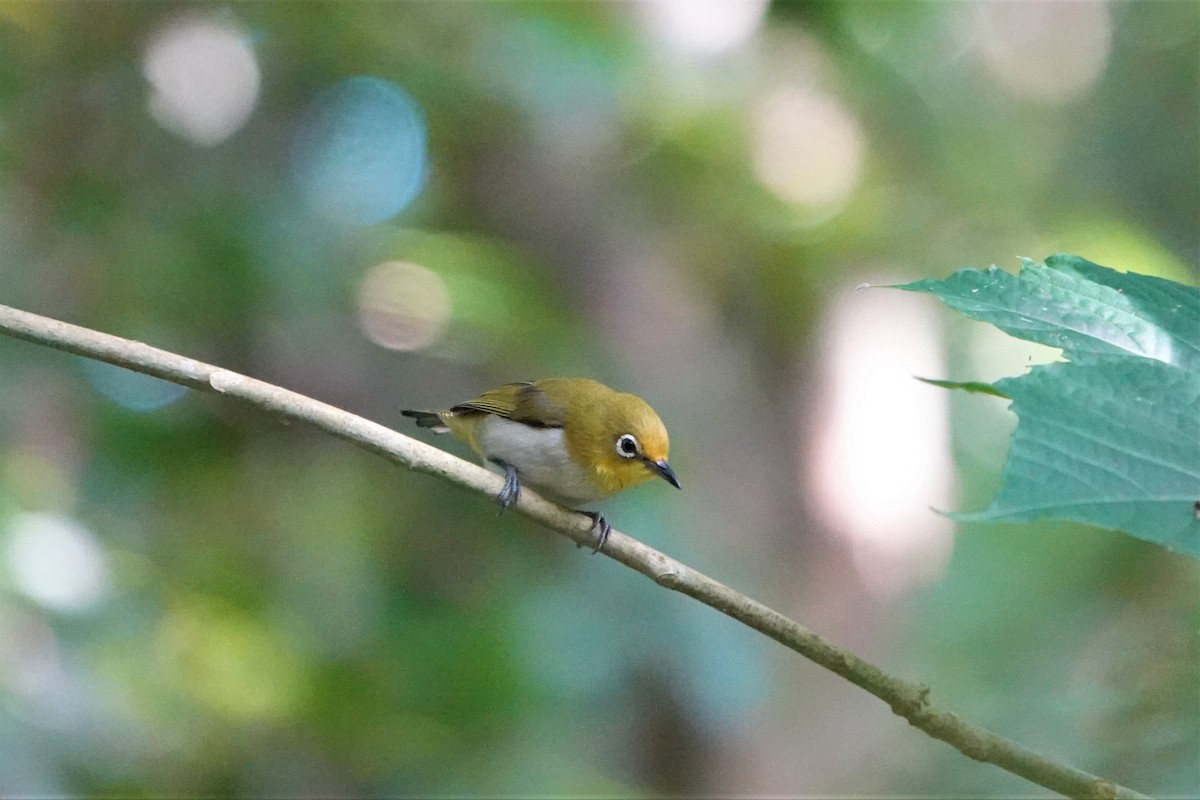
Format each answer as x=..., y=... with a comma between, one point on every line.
x=510, y=493
x=602, y=528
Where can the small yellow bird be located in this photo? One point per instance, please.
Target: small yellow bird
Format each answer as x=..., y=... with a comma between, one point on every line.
x=574, y=440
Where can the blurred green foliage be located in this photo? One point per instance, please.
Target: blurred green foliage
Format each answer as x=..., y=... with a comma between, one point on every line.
x=283, y=615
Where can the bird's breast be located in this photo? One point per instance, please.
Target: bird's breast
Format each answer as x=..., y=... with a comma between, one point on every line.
x=541, y=457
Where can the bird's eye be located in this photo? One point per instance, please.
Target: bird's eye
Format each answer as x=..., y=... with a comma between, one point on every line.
x=628, y=447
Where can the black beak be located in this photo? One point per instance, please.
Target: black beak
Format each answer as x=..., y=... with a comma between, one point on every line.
x=664, y=471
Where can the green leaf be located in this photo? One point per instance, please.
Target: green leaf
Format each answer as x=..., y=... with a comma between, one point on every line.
x=1091, y=312
x=975, y=387
x=1115, y=445
x=1111, y=438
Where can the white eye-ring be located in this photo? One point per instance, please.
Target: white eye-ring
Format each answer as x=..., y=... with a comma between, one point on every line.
x=627, y=446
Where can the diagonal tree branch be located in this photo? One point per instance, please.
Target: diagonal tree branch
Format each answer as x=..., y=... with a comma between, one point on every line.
x=908, y=700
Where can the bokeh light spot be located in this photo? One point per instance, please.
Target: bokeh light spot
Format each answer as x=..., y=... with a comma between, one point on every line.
x=807, y=148
x=403, y=306
x=703, y=27
x=56, y=562
x=880, y=454
x=130, y=389
x=203, y=77
x=360, y=151
x=1047, y=52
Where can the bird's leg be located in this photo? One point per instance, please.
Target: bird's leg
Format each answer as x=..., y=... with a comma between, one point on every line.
x=602, y=528
x=510, y=493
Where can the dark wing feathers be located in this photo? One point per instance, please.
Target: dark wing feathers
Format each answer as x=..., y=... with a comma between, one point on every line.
x=500, y=401
x=521, y=402
x=535, y=408
x=425, y=419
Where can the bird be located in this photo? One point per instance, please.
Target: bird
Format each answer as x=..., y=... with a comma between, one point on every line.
x=574, y=440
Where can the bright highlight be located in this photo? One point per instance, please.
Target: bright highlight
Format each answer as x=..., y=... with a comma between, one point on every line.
x=203, y=77
x=807, y=148
x=403, y=306
x=881, y=445
x=1049, y=52
x=56, y=562
x=704, y=27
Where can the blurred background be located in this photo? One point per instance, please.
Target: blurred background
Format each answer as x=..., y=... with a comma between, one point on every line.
x=388, y=205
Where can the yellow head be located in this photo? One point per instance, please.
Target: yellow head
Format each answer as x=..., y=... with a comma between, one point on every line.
x=616, y=436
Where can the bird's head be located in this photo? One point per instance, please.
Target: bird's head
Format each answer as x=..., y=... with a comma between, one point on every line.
x=623, y=441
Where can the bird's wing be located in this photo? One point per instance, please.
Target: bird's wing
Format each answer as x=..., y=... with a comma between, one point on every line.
x=520, y=402
x=501, y=401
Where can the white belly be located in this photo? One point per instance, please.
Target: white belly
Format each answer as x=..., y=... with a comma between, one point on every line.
x=541, y=459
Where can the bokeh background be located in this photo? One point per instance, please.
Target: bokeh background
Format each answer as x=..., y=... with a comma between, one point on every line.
x=393, y=205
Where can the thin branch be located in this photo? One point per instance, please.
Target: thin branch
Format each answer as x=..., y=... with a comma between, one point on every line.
x=908, y=700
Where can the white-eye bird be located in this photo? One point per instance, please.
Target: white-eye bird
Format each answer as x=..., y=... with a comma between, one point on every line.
x=574, y=440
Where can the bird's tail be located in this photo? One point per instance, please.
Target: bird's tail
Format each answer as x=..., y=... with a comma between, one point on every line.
x=427, y=419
